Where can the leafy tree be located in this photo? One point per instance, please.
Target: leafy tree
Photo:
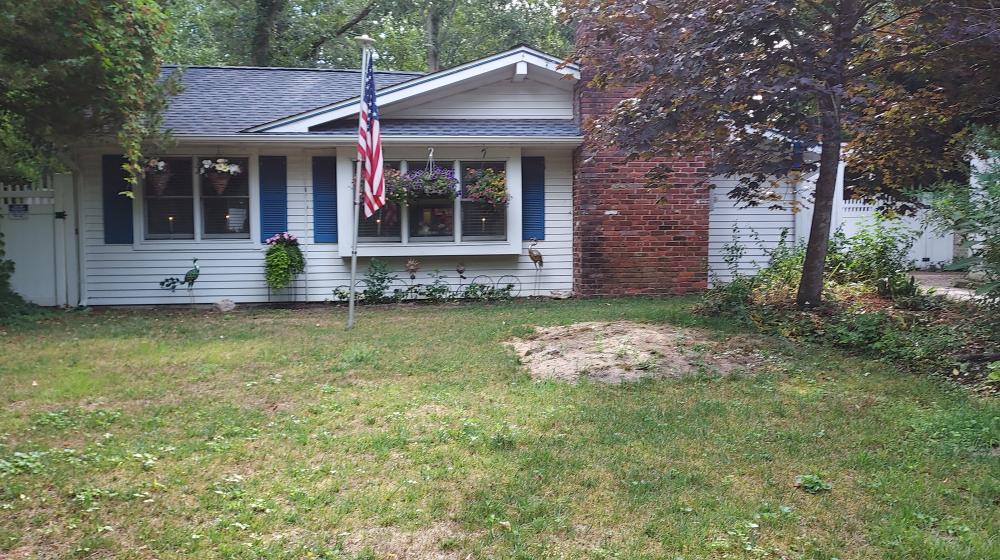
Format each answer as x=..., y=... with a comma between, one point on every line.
x=745, y=82
x=411, y=34
x=76, y=68
x=974, y=214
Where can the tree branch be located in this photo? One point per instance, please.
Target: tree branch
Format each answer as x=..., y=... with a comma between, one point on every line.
x=822, y=11
x=877, y=64
x=362, y=14
x=358, y=17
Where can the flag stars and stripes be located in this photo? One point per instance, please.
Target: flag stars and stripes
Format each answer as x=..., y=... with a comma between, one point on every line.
x=370, y=146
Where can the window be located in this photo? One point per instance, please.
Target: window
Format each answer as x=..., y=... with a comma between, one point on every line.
x=225, y=208
x=386, y=223
x=183, y=204
x=428, y=220
x=432, y=219
x=482, y=221
x=169, y=201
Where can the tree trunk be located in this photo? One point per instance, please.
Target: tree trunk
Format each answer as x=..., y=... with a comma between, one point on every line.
x=432, y=31
x=811, y=285
x=263, y=31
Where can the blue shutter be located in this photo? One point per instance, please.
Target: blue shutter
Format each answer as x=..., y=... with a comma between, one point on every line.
x=273, y=195
x=533, y=197
x=117, y=207
x=324, y=199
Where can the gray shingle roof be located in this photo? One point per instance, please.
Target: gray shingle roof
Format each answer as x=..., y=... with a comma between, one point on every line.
x=459, y=127
x=226, y=100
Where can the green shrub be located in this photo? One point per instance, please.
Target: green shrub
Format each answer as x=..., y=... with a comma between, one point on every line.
x=875, y=260
x=878, y=252
x=974, y=215
x=438, y=289
x=857, y=330
x=378, y=281
x=12, y=305
x=731, y=299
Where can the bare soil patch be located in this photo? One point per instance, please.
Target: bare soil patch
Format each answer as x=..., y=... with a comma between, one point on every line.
x=440, y=541
x=625, y=351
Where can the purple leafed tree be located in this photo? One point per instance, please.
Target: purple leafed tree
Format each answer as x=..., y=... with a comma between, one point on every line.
x=750, y=84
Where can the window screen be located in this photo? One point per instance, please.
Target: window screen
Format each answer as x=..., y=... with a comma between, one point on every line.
x=169, y=201
x=386, y=223
x=225, y=209
x=480, y=220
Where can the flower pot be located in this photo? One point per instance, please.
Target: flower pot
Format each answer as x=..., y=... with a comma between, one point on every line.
x=219, y=181
x=158, y=182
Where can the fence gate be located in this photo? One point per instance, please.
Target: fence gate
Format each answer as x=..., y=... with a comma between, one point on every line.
x=30, y=225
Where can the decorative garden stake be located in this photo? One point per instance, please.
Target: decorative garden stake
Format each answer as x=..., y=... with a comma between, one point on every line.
x=460, y=269
x=534, y=254
x=536, y=257
x=412, y=266
x=189, y=278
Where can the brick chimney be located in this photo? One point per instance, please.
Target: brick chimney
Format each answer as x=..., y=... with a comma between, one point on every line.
x=630, y=237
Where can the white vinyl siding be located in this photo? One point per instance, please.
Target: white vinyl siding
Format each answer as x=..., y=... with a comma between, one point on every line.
x=500, y=100
x=757, y=229
x=130, y=275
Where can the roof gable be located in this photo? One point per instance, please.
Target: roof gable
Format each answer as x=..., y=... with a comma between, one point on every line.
x=226, y=100
x=516, y=64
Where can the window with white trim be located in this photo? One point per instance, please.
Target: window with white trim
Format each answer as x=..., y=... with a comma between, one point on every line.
x=385, y=225
x=182, y=203
x=428, y=220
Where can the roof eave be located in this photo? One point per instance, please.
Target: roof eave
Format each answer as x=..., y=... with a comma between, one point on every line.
x=264, y=138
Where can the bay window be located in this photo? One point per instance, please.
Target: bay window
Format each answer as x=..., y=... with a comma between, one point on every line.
x=429, y=220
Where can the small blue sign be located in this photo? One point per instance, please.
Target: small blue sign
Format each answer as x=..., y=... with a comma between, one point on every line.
x=17, y=211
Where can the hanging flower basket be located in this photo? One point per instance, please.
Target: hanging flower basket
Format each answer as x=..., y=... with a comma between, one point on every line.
x=218, y=173
x=219, y=181
x=437, y=182
x=157, y=176
x=486, y=185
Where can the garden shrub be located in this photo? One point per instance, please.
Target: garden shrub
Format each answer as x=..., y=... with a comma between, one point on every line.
x=879, y=252
x=974, y=215
x=902, y=326
x=378, y=281
x=12, y=305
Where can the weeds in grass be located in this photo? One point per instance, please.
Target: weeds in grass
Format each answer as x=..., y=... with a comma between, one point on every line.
x=812, y=483
x=438, y=445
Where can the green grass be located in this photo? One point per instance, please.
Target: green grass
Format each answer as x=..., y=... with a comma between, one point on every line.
x=276, y=434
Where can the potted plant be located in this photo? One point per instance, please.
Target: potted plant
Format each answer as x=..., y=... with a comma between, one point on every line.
x=436, y=182
x=486, y=185
x=218, y=173
x=283, y=260
x=157, y=175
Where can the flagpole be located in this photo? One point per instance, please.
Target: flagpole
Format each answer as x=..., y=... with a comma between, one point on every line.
x=365, y=42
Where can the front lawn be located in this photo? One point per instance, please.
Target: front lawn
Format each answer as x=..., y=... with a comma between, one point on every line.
x=275, y=434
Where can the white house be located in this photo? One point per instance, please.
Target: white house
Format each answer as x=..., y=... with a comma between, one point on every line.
x=599, y=227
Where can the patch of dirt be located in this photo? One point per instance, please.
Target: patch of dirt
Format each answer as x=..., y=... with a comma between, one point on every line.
x=625, y=351
x=440, y=541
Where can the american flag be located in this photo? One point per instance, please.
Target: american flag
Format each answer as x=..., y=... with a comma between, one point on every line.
x=370, y=146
